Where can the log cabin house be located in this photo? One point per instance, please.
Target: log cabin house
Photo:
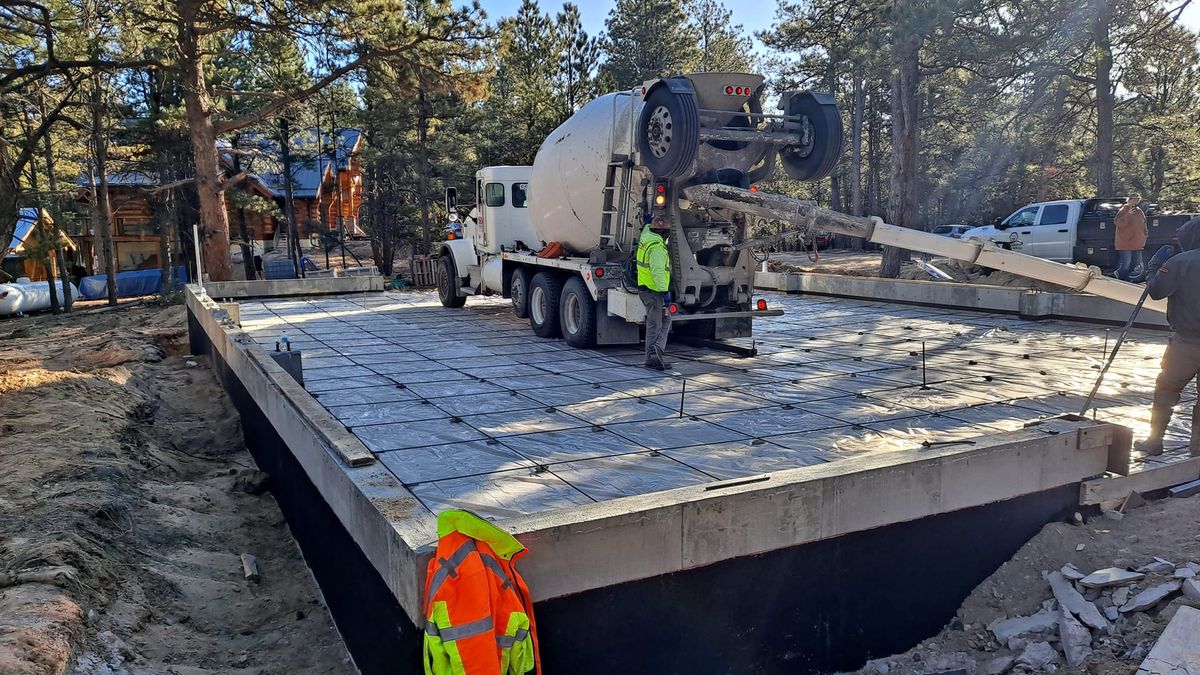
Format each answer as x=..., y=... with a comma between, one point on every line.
x=321, y=187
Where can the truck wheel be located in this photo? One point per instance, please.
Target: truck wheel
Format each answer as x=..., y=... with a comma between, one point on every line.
x=448, y=283
x=544, y=292
x=668, y=132
x=518, y=290
x=577, y=311
x=818, y=154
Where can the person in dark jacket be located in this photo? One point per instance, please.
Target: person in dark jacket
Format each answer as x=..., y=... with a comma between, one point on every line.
x=1177, y=280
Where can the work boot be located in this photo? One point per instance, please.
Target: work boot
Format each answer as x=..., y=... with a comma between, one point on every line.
x=1160, y=417
x=654, y=363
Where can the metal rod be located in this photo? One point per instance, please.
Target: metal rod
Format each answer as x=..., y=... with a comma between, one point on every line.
x=1116, y=348
x=682, y=393
x=924, y=385
x=199, y=267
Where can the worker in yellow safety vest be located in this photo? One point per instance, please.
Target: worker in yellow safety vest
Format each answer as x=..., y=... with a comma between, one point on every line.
x=654, y=288
x=478, y=612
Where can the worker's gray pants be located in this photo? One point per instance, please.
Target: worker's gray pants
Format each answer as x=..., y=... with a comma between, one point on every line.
x=1180, y=364
x=658, y=324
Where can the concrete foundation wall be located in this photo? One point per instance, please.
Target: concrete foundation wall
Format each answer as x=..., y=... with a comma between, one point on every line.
x=272, y=288
x=386, y=521
x=1023, y=302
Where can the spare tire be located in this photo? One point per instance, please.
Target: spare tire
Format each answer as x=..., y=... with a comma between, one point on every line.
x=822, y=128
x=668, y=132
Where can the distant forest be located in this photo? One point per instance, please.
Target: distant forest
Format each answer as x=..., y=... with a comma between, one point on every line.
x=955, y=111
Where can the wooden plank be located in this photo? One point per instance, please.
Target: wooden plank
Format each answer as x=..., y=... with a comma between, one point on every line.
x=1161, y=477
x=1177, y=651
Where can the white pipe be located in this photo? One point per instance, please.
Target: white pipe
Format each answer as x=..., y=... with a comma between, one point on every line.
x=29, y=296
x=199, y=268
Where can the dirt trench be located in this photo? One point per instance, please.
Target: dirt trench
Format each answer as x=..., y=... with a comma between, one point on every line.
x=126, y=500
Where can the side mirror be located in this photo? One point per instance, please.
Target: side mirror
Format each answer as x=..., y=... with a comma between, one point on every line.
x=451, y=199
x=999, y=224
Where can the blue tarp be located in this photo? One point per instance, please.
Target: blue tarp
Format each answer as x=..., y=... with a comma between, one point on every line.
x=25, y=221
x=129, y=284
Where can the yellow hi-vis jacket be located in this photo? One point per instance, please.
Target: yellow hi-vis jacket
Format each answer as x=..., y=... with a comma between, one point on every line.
x=653, y=262
x=478, y=612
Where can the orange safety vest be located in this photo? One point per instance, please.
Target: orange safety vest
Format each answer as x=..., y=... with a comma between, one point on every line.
x=478, y=611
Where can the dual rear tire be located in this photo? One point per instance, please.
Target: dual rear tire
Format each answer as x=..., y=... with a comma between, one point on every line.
x=556, y=308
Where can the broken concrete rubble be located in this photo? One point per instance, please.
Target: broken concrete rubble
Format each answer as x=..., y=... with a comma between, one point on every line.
x=1184, y=573
x=1037, y=656
x=999, y=665
x=1151, y=597
x=1120, y=596
x=1006, y=629
x=1075, y=638
x=1110, y=576
x=1159, y=566
x=1071, y=573
x=1177, y=651
x=1070, y=600
x=1112, y=613
x=1191, y=589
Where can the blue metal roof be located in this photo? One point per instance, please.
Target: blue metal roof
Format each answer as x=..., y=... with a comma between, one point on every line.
x=308, y=170
x=25, y=220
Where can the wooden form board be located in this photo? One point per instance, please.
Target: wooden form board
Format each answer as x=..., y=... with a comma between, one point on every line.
x=1104, y=489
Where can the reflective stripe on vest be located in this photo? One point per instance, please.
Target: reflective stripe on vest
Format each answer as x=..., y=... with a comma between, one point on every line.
x=506, y=641
x=645, y=276
x=448, y=569
x=452, y=633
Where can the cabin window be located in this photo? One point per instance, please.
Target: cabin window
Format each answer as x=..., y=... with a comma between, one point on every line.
x=494, y=194
x=519, y=195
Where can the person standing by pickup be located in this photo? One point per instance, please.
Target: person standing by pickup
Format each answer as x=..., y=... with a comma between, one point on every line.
x=1177, y=280
x=654, y=286
x=1130, y=238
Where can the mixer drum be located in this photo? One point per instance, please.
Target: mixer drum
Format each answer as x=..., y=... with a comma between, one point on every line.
x=566, y=190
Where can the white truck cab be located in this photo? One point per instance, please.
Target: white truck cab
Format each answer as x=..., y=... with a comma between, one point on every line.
x=1044, y=229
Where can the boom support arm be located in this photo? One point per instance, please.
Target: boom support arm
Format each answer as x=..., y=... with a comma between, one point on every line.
x=804, y=215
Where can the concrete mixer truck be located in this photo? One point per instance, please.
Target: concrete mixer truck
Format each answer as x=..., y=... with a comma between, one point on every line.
x=558, y=238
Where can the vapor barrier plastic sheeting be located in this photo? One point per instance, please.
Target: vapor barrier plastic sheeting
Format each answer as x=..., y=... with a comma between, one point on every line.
x=468, y=408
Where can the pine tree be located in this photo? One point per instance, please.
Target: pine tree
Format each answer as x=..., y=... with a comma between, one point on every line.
x=579, y=60
x=723, y=46
x=648, y=39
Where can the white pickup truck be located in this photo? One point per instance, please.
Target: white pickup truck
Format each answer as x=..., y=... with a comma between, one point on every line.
x=1073, y=230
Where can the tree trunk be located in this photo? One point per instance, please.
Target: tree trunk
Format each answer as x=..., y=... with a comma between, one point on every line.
x=902, y=199
x=44, y=231
x=243, y=231
x=103, y=202
x=873, y=161
x=55, y=213
x=856, y=139
x=9, y=211
x=214, y=221
x=423, y=171
x=1105, y=99
x=289, y=197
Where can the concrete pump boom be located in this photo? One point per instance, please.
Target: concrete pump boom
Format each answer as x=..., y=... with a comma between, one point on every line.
x=803, y=216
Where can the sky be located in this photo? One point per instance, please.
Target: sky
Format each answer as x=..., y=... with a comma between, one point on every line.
x=753, y=16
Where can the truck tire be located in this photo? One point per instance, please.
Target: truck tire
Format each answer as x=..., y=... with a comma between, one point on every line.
x=544, y=292
x=518, y=290
x=668, y=132
x=817, y=158
x=448, y=283
x=577, y=312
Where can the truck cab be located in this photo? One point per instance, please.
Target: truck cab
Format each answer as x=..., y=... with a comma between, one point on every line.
x=1043, y=229
x=501, y=214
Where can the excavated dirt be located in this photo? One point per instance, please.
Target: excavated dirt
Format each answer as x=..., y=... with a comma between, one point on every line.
x=126, y=501
x=1168, y=529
